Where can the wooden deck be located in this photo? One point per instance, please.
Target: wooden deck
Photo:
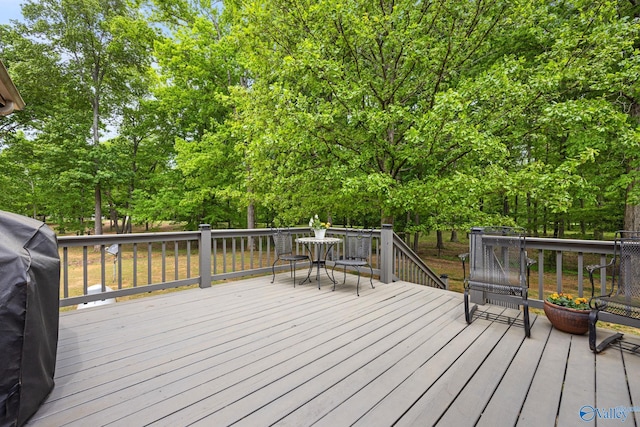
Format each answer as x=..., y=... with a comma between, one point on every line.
x=253, y=353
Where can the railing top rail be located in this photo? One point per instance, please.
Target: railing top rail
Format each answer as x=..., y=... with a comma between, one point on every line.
x=571, y=245
x=127, y=238
x=161, y=236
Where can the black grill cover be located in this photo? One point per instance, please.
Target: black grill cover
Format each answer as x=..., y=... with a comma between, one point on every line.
x=29, y=313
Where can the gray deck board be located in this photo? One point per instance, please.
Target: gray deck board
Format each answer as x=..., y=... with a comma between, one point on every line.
x=609, y=368
x=509, y=396
x=252, y=353
x=445, y=390
x=579, y=389
x=543, y=399
x=632, y=367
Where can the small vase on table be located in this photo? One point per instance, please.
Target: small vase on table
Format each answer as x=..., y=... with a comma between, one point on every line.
x=319, y=233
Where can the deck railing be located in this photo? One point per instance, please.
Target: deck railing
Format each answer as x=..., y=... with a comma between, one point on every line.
x=568, y=258
x=409, y=267
x=129, y=264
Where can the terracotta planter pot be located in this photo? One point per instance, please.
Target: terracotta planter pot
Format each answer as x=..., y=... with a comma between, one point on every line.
x=567, y=319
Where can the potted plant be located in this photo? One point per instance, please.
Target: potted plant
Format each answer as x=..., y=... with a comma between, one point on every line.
x=319, y=228
x=567, y=314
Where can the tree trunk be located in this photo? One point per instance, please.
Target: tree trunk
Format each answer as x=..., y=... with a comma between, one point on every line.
x=113, y=215
x=561, y=226
x=439, y=241
x=454, y=236
x=95, y=129
x=251, y=222
x=631, y=214
x=386, y=219
x=583, y=224
x=416, y=235
x=251, y=216
x=535, y=218
x=98, y=211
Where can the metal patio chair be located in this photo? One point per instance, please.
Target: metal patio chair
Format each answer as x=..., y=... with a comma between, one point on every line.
x=282, y=241
x=357, y=254
x=621, y=301
x=498, y=271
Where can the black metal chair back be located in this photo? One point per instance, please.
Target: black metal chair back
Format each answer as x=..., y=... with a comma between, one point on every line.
x=357, y=245
x=356, y=254
x=283, y=245
x=282, y=242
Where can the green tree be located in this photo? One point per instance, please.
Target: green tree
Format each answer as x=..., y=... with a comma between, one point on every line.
x=196, y=67
x=101, y=46
x=446, y=111
x=366, y=102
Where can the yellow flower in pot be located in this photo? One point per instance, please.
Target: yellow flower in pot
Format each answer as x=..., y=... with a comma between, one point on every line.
x=566, y=313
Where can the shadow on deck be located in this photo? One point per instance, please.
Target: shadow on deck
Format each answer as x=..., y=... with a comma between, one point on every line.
x=256, y=354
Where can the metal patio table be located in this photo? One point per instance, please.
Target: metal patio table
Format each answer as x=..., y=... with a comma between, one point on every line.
x=320, y=261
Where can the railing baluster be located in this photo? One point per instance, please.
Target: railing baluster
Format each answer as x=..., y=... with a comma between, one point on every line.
x=224, y=255
x=559, y=271
x=269, y=262
x=102, y=269
x=541, y=274
x=233, y=254
x=85, y=272
x=603, y=275
x=149, y=256
x=135, y=265
x=175, y=259
x=580, y=274
x=188, y=259
x=65, y=269
x=164, y=261
x=244, y=252
x=215, y=256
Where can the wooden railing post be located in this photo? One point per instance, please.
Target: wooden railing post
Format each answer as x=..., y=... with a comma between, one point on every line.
x=205, y=255
x=386, y=253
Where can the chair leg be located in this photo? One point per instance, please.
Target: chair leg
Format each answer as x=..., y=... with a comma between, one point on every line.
x=593, y=318
x=273, y=271
x=333, y=277
x=527, y=326
x=358, y=284
x=292, y=266
x=468, y=313
x=310, y=270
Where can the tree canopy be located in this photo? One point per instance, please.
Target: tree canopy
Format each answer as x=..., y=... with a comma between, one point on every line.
x=430, y=115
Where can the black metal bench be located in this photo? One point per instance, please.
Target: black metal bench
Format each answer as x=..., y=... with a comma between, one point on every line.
x=498, y=270
x=621, y=301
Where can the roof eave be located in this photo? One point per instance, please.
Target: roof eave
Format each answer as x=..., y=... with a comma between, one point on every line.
x=10, y=99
